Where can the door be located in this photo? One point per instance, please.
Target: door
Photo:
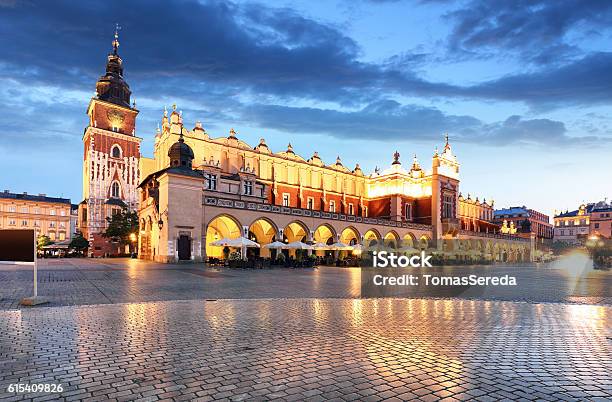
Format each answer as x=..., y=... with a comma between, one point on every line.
x=184, y=247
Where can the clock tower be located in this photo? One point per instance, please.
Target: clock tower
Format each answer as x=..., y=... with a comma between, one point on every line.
x=111, y=156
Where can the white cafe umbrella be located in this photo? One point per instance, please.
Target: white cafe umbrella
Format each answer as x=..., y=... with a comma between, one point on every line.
x=275, y=245
x=320, y=246
x=340, y=246
x=298, y=245
x=225, y=242
x=241, y=242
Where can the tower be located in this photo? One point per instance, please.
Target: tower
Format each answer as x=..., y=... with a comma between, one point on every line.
x=111, y=155
x=444, y=194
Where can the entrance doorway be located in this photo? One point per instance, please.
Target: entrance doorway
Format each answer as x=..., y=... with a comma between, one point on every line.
x=184, y=247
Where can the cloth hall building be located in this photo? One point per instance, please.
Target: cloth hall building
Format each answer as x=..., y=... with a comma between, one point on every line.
x=198, y=189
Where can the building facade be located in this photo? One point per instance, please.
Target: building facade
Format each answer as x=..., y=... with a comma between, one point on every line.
x=111, y=155
x=573, y=227
x=523, y=220
x=48, y=216
x=601, y=220
x=198, y=189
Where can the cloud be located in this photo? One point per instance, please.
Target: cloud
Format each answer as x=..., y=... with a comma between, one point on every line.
x=536, y=31
x=585, y=81
x=389, y=121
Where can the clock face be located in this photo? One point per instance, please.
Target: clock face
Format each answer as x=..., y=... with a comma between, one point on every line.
x=115, y=117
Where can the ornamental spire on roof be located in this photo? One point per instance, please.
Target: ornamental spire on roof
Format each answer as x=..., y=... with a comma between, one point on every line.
x=116, y=40
x=111, y=87
x=396, y=157
x=447, y=146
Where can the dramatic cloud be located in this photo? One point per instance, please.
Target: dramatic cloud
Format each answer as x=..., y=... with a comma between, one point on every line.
x=586, y=81
x=229, y=50
x=389, y=121
x=536, y=30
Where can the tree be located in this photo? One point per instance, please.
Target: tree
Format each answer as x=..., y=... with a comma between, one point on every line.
x=79, y=243
x=42, y=241
x=121, y=225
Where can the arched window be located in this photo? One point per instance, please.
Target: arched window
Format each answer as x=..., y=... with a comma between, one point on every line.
x=116, y=151
x=115, y=191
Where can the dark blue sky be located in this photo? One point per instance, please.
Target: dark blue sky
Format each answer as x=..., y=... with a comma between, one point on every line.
x=524, y=88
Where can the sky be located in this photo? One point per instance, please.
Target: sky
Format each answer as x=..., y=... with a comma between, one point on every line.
x=523, y=88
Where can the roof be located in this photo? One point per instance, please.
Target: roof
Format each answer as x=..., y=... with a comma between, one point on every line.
x=568, y=214
x=511, y=211
x=30, y=197
x=175, y=170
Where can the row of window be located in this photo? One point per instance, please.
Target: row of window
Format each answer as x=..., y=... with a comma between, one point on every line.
x=310, y=204
x=575, y=222
x=34, y=210
x=36, y=223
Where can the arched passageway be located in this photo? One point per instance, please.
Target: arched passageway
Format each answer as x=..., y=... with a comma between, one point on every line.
x=221, y=227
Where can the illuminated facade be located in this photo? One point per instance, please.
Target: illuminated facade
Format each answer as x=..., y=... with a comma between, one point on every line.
x=225, y=188
x=574, y=227
x=111, y=155
x=48, y=216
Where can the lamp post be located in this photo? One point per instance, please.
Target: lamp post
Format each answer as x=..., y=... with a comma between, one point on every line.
x=133, y=240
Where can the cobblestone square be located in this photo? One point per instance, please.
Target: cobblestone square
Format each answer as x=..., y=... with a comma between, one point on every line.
x=127, y=330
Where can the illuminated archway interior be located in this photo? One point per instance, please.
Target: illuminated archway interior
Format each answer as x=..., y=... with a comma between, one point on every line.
x=262, y=232
x=220, y=228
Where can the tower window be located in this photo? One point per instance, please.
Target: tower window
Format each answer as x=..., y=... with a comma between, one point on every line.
x=116, y=151
x=332, y=206
x=115, y=192
x=448, y=206
x=286, y=200
x=350, y=209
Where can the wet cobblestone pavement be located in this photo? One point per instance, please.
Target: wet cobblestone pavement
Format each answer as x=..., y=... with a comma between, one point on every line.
x=87, y=281
x=311, y=349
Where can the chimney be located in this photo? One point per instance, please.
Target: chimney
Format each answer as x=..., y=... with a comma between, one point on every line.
x=42, y=195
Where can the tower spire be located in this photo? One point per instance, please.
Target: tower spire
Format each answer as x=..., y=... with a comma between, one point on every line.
x=116, y=40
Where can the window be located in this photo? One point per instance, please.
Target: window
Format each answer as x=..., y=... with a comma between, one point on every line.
x=24, y=210
x=210, y=181
x=24, y=223
x=447, y=206
x=286, y=200
x=63, y=213
x=62, y=236
x=12, y=208
x=351, y=211
x=365, y=211
x=115, y=129
x=12, y=222
x=51, y=224
x=115, y=193
x=332, y=206
x=52, y=235
x=248, y=188
x=52, y=212
x=116, y=151
x=408, y=212
x=62, y=225
x=597, y=226
x=310, y=203
x=37, y=210
x=37, y=224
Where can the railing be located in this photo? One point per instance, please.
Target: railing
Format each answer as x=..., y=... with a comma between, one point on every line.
x=253, y=206
x=493, y=235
